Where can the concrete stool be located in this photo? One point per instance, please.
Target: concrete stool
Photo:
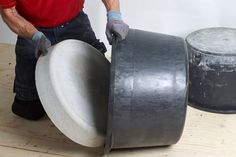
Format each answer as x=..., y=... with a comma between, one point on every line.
x=212, y=55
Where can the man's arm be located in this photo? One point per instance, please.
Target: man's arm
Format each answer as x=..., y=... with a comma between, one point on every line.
x=25, y=29
x=17, y=23
x=112, y=5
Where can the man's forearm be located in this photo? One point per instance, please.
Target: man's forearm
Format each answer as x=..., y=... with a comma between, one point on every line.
x=112, y=4
x=17, y=23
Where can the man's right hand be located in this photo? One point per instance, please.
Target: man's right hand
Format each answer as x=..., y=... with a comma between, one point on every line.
x=41, y=44
x=25, y=29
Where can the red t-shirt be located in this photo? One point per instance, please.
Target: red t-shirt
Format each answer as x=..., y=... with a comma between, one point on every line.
x=45, y=13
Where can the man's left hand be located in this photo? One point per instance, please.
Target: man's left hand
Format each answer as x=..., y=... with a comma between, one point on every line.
x=116, y=28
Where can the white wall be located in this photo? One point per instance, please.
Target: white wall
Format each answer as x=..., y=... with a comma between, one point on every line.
x=6, y=36
x=176, y=17
x=179, y=17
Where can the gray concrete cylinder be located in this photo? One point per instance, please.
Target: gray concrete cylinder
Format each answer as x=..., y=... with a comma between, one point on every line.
x=212, y=57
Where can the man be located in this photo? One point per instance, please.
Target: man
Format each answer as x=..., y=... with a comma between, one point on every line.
x=42, y=23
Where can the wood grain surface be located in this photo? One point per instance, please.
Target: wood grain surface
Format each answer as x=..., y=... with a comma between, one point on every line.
x=205, y=134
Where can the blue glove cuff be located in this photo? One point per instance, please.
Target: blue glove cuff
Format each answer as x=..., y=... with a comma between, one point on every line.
x=114, y=15
x=37, y=36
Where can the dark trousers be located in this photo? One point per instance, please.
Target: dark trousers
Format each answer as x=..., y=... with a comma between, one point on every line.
x=79, y=28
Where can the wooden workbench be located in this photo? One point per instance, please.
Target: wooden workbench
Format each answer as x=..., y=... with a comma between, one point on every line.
x=205, y=134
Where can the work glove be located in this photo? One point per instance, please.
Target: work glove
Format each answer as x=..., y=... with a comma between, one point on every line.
x=41, y=44
x=116, y=28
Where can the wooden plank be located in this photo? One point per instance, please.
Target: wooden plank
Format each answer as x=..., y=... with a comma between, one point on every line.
x=205, y=134
x=13, y=152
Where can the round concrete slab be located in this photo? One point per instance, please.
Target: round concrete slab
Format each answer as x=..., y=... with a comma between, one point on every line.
x=73, y=85
x=215, y=41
